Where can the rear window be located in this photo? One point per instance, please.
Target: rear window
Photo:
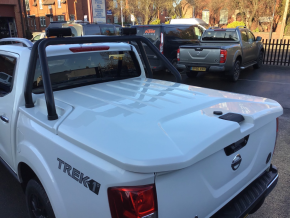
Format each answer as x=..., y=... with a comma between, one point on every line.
x=68, y=71
x=220, y=36
x=92, y=30
x=187, y=33
x=76, y=30
x=151, y=33
x=108, y=30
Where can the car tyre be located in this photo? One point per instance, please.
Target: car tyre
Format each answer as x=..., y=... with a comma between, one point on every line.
x=259, y=60
x=191, y=74
x=37, y=201
x=235, y=72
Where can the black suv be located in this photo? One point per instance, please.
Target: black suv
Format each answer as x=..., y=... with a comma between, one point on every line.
x=168, y=38
x=86, y=28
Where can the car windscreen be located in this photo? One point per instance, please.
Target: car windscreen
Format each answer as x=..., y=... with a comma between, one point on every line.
x=220, y=35
x=73, y=70
x=151, y=33
x=108, y=30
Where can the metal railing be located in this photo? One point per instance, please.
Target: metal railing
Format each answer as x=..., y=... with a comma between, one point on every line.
x=277, y=52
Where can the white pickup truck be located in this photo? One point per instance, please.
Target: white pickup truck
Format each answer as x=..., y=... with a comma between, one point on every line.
x=88, y=135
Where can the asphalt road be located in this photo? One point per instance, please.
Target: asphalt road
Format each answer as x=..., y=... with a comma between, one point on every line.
x=270, y=81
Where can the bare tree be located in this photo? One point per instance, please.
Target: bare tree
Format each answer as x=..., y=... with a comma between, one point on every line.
x=148, y=10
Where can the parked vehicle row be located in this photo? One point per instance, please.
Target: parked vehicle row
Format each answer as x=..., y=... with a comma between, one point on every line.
x=87, y=134
x=80, y=28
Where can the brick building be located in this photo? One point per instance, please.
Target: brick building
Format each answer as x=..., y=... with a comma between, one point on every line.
x=41, y=12
x=12, y=22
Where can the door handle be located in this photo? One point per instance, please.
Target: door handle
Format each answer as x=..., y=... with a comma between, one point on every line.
x=4, y=119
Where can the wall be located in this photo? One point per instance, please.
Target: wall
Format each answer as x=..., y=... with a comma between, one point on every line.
x=6, y=7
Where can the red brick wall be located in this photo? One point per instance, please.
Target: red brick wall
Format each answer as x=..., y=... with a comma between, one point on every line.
x=4, y=4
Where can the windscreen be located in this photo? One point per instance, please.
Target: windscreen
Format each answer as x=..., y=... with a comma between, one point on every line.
x=68, y=71
x=218, y=35
x=151, y=33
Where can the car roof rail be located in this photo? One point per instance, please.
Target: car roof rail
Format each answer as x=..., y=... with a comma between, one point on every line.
x=25, y=42
x=215, y=27
x=238, y=27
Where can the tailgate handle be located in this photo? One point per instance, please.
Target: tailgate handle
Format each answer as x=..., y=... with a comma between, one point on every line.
x=236, y=146
x=198, y=49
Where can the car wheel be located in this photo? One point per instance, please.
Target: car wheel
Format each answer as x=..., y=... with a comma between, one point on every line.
x=259, y=60
x=235, y=72
x=37, y=201
x=191, y=74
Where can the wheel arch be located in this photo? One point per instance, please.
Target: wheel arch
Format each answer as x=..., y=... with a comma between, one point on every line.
x=31, y=164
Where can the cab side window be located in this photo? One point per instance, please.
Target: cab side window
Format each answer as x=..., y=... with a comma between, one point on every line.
x=251, y=37
x=7, y=67
x=244, y=36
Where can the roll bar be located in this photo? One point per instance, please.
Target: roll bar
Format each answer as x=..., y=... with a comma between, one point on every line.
x=25, y=42
x=38, y=50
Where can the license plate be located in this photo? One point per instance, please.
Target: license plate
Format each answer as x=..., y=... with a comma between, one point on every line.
x=198, y=69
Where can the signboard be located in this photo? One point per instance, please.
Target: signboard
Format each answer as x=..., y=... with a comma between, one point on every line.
x=99, y=11
x=109, y=12
x=265, y=19
x=132, y=18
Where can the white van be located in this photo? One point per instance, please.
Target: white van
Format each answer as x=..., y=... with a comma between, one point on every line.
x=193, y=21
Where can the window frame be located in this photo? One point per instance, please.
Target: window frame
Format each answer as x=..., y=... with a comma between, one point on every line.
x=242, y=36
x=14, y=70
x=40, y=4
x=205, y=10
x=250, y=33
x=59, y=3
x=42, y=21
x=226, y=16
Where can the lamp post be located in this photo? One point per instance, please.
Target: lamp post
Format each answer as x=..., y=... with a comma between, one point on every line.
x=122, y=12
x=270, y=34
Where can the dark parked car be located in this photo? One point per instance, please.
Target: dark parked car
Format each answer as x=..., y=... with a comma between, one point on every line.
x=168, y=38
x=86, y=28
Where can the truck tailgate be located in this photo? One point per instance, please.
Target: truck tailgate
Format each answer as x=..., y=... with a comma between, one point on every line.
x=200, y=54
x=206, y=186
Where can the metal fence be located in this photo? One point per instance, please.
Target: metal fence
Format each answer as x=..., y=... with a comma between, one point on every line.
x=277, y=52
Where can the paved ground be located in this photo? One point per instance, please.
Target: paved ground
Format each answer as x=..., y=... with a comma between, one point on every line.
x=270, y=82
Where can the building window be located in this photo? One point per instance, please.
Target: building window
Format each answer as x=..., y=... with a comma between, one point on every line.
x=115, y=19
x=42, y=21
x=115, y=3
x=51, y=19
x=34, y=21
x=139, y=19
x=72, y=17
x=40, y=4
x=27, y=5
x=108, y=20
x=59, y=3
x=60, y=18
x=205, y=16
x=49, y=6
x=223, y=16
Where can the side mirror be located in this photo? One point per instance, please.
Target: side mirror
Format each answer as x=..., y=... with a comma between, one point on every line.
x=259, y=38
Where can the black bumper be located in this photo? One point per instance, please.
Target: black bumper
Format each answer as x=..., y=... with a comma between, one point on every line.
x=245, y=201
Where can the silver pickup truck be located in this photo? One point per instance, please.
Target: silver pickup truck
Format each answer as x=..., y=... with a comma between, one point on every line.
x=227, y=50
